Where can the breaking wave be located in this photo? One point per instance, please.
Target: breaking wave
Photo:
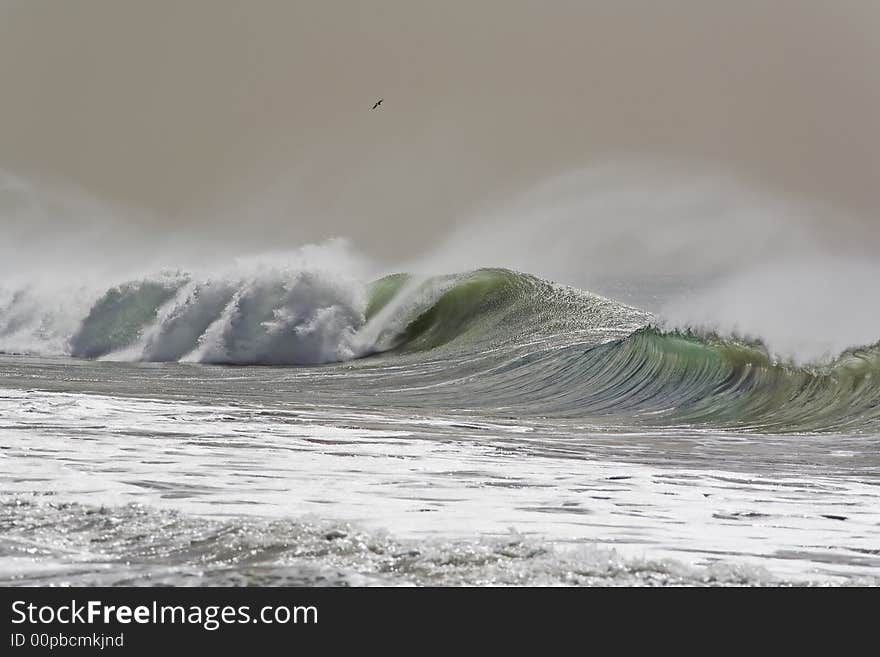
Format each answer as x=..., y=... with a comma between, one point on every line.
x=509, y=340
x=284, y=317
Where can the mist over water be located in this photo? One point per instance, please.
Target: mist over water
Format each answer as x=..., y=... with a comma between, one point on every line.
x=697, y=248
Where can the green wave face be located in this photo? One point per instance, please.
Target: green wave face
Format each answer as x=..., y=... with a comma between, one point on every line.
x=497, y=306
x=691, y=379
x=475, y=303
x=382, y=291
x=119, y=317
x=566, y=353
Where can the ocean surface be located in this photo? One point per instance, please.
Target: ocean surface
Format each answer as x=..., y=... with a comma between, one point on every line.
x=482, y=428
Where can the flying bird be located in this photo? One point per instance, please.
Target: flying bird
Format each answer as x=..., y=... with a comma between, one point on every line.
x=378, y=102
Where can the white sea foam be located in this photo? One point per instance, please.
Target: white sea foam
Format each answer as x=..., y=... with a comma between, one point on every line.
x=110, y=488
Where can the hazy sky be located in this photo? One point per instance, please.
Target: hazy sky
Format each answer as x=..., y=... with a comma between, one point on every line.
x=227, y=113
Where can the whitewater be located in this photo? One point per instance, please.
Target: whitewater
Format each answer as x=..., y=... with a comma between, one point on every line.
x=283, y=422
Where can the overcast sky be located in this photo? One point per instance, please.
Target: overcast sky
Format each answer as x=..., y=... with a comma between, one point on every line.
x=220, y=112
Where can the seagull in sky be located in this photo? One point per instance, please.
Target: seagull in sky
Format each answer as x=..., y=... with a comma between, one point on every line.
x=378, y=102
